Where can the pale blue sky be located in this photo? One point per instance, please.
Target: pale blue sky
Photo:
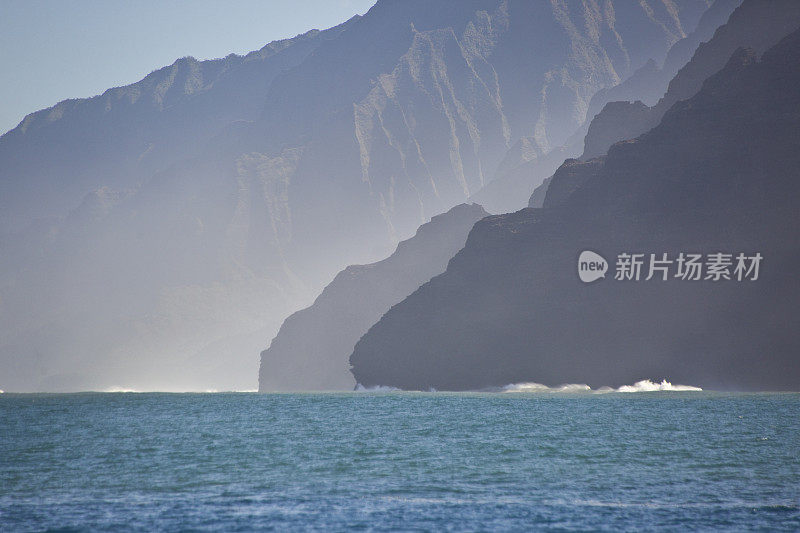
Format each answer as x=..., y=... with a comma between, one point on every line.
x=51, y=50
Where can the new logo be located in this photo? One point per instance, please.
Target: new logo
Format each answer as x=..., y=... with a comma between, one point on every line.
x=591, y=266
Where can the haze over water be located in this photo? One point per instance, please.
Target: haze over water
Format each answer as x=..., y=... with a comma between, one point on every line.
x=395, y=460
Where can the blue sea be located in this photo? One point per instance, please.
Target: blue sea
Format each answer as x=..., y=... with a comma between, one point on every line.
x=400, y=461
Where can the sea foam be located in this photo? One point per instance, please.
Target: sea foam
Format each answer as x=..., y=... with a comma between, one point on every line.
x=644, y=385
x=538, y=387
x=648, y=386
x=376, y=388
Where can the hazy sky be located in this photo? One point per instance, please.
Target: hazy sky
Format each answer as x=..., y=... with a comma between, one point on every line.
x=51, y=50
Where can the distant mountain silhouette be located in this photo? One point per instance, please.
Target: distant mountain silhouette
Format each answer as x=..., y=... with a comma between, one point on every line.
x=514, y=183
x=756, y=24
x=157, y=235
x=718, y=174
x=313, y=346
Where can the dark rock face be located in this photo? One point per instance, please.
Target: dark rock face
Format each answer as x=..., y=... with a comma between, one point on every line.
x=756, y=24
x=719, y=173
x=539, y=193
x=312, y=348
x=570, y=176
x=617, y=121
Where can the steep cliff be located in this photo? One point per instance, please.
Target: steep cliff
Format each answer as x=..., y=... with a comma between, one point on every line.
x=242, y=186
x=650, y=82
x=312, y=348
x=756, y=24
x=122, y=137
x=512, y=185
x=718, y=174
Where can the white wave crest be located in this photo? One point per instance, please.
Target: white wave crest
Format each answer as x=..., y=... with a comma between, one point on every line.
x=644, y=385
x=119, y=389
x=376, y=388
x=538, y=387
x=648, y=386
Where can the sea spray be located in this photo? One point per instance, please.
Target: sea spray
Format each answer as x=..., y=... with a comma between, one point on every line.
x=648, y=386
x=644, y=385
x=376, y=388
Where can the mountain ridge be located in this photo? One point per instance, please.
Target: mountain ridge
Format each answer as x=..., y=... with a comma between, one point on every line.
x=347, y=140
x=757, y=25
x=312, y=347
x=717, y=174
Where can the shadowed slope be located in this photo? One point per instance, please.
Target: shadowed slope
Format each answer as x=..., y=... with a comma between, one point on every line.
x=718, y=174
x=313, y=345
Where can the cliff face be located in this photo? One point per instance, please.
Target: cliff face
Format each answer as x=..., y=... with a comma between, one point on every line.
x=422, y=125
x=312, y=348
x=650, y=82
x=718, y=174
x=617, y=121
x=122, y=137
x=513, y=184
x=756, y=24
x=239, y=187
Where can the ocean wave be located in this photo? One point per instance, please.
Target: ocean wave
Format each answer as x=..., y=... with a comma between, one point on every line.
x=648, y=386
x=644, y=385
x=225, y=391
x=538, y=387
x=376, y=388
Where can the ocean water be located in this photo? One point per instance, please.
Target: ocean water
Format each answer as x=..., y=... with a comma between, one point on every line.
x=400, y=461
